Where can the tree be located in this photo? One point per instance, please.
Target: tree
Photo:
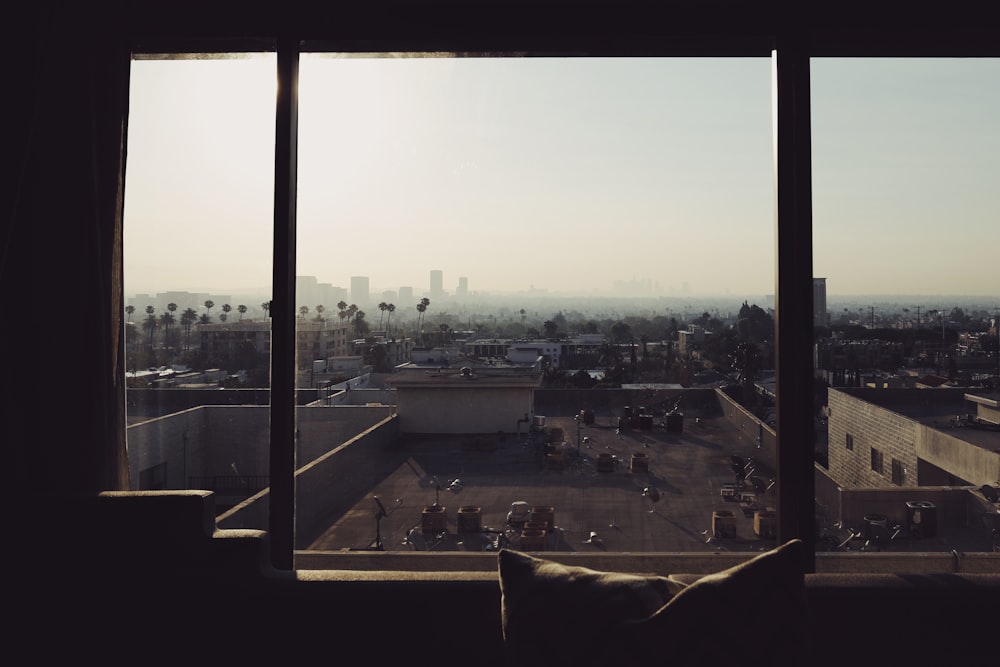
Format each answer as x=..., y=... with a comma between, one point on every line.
x=360, y=326
x=150, y=324
x=241, y=309
x=319, y=312
x=226, y=308
x=421, y=310
x=208, y=307
x=390, y=308
x=167, y=320
x=443, y=330
x=550, y=328
x=188, y=318
x=266, y=307
x=303, y=311
x=382, y=306
x=129, y=309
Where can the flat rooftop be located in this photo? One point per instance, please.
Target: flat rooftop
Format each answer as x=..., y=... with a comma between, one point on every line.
x=687, y=470
x=593, y=511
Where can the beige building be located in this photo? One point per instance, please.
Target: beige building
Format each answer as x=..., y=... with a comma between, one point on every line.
x=913, y=437
x=464, y=401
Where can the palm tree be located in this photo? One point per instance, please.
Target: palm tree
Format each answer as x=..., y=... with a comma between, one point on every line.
x=391, y=307
x=360, y=326
x=208, y=308
x=303, y=311
x=188, y=318
x=421, y=309
x=342, y=306
x=319, y=312
x=150, y=324
x=166, y=321
x=242, y=310
x=225, y=309
x=266, y=307
x=382, y=306
x=129, y=309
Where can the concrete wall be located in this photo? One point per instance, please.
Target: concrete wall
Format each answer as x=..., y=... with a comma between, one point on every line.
x=976, y=465
x=951, y=506
x=329, y=485
x=609, y=404
x=213, y=440
x=485, y=410
x=760, y=440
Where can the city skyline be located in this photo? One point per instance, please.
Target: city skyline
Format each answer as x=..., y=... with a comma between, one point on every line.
x=562, y=176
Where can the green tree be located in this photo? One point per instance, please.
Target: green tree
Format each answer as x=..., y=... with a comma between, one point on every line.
x=551, y=328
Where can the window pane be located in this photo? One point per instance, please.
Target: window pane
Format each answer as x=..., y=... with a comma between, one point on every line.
x=197, y=252
x=517, y=231
x=906, y=157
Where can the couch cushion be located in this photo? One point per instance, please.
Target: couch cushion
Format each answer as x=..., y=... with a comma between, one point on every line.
x=554, y=614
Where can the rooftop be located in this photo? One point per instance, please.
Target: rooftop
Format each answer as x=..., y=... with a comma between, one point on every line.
x=670, y=507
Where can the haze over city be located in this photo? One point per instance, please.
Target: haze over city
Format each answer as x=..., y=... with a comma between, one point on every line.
x=563, y=176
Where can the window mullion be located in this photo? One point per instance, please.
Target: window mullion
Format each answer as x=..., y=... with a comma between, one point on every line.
x=793, y=297
x=282, y=311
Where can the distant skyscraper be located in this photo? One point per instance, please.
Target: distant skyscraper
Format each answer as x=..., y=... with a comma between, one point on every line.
x=819, y=302
x=360, y=293
x=437, y=283
x=463, y=287
x=406, y=295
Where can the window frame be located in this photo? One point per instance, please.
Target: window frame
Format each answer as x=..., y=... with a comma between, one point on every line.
x=648, y=29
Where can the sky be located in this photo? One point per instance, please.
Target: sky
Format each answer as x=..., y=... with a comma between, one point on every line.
x=563, y=175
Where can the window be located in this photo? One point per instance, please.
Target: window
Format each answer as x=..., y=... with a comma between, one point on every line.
x=898, y=473
x=849, y=441
x=876, y=460
x=197, y=242
x=784, y=294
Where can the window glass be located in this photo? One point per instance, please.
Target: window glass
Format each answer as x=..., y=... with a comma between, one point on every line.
x=906, y=155
x=523, y=280
x=197, y=241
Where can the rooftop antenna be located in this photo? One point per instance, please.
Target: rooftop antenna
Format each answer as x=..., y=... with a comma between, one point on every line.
x=379, y=515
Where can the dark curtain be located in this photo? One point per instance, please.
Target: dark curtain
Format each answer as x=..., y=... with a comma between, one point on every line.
x=61, y=267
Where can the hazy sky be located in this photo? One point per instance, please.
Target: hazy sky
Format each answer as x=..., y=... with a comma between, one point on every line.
x=563, y=174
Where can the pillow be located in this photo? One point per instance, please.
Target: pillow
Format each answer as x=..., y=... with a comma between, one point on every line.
x=552, y=612
x=558, y=615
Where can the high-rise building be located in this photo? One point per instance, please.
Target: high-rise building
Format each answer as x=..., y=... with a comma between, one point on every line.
x=819, y=302
x=360, y=293
x=437, y=283
x=463, y=287
x=406, y=295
